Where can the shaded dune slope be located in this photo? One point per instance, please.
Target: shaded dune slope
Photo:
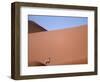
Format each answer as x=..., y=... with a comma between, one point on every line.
x=34, y=27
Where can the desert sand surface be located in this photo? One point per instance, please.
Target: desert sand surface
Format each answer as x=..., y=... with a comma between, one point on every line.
x=59, y=47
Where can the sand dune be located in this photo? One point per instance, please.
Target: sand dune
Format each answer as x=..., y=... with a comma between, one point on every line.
x=67, y=46
x=34, y=27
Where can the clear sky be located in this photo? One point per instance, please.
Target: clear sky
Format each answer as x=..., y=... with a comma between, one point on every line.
x=58, y=22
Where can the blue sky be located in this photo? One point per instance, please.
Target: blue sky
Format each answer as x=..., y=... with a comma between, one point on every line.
x=58, y=22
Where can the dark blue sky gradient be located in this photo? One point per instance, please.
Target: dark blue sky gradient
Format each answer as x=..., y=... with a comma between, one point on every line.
x=58, y=22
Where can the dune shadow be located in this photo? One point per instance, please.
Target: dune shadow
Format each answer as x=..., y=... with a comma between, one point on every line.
x=36, y=63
